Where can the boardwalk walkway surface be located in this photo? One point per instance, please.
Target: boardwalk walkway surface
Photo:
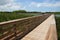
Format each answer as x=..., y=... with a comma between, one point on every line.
x=40, y=27
x=45, y=31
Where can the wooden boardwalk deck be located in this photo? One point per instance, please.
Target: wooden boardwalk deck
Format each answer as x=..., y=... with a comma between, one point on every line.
x=45, y=31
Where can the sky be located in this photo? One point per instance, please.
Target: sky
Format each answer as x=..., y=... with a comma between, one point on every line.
x=30, y=5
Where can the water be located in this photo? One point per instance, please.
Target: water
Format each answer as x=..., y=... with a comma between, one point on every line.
x=57, y=15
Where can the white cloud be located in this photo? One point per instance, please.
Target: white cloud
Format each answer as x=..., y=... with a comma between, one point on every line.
x=10, y=5
x=3, y=2
x=35, y=4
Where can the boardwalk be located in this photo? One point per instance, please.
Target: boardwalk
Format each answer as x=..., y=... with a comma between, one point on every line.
x=41, y=27
x=45, y=31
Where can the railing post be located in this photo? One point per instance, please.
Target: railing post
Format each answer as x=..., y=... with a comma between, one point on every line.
x=14, y=30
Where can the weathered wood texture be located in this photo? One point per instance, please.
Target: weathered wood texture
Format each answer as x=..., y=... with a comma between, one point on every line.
x=17, y=29
x=45, y=31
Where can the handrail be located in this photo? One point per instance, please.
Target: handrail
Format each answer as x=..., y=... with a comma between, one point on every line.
x=16, y=29
x=45, y=31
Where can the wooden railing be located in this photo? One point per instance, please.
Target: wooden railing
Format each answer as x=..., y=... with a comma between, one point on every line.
x=45, y=31
x=16, y=29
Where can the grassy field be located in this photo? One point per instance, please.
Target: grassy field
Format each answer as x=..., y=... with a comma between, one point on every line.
x=58, y=23
x=12, y=16
x=58, y=26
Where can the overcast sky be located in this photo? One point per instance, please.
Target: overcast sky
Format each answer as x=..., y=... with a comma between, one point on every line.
x=30, y=5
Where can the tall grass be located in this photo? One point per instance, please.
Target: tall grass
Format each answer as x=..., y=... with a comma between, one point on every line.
x=11, y=16
x=58, y=26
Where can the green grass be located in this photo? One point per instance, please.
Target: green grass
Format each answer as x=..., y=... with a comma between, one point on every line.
x=56, y=12
x=12, y=16
x=58, y=26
